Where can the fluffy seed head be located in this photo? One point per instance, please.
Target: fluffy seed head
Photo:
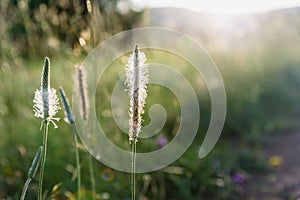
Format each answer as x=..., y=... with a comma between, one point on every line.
x=136, y=82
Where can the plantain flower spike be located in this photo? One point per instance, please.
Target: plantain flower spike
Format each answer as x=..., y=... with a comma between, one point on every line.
x=46, y=103
x=136, y=82
x=81, y=83
x=68, y=113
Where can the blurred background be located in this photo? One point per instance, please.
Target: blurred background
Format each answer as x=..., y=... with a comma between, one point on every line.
x=256, y=46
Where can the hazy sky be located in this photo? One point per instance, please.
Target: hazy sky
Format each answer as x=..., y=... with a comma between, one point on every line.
x=222, y=6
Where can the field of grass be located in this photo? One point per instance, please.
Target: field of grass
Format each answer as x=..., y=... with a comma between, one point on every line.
x=261, y=74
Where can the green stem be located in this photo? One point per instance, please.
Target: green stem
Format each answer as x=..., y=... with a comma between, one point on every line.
x=133, y=163
x=77, y=163
x=25, y=188
x=43, y=162
x=92, y=176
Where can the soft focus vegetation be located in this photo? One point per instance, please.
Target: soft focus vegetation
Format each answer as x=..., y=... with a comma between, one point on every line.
x=258, y=56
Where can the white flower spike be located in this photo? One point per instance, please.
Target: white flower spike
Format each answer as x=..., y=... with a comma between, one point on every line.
x=46, y=103
x=136, y=82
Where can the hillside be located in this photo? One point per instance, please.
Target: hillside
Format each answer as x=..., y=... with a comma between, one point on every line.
x=229, y=30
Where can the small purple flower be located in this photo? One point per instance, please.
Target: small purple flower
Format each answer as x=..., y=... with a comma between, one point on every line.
x=162, y=141
x=238, y=178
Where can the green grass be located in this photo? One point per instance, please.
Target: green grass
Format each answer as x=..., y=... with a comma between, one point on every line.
x=263, y=98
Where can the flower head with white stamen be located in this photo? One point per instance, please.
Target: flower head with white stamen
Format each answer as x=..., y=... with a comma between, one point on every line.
x=136, y=82
x=45, y=100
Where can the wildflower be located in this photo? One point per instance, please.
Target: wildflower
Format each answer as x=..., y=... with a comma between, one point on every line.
x=238, y=178
x=162, y=141
x=136, y=82
x=45, y=99
x=275, y=161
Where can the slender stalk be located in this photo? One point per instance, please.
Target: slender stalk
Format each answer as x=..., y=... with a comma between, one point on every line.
x=77, y=163
x=70, y=119
x=45, y=106
x=92, y=177
x=25, y=188
x=133, y=164
x=43, y=162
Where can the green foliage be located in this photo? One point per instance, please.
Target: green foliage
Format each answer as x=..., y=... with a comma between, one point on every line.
x=261, y=75
x=47, y=27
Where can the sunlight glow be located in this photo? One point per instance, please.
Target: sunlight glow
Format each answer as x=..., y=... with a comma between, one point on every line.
x=222, y=6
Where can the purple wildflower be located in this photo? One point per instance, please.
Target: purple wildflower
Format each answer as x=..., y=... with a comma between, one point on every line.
x=162, y=141
x=238, y=178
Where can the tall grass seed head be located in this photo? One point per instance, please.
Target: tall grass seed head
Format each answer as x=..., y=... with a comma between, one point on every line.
x=45, y=101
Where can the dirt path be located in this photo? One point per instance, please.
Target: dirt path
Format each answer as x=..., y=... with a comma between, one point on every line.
x=284, y=181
